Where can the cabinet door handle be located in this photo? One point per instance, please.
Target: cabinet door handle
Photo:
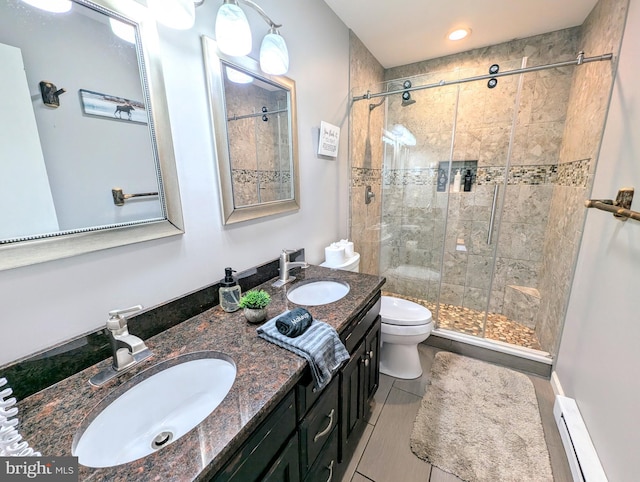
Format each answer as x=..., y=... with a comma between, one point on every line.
x=326, y=430
x=371, y=354
x=330, y=471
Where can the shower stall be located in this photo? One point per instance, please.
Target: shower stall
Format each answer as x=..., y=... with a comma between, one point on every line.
x=476, y=181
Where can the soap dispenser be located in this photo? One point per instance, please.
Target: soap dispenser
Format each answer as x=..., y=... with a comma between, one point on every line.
x=229, y=292
x=468, y=178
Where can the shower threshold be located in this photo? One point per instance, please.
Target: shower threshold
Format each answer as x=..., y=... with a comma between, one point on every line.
x=495, y=345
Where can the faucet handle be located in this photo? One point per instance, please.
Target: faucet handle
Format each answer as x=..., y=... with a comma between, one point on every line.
x=116, y=321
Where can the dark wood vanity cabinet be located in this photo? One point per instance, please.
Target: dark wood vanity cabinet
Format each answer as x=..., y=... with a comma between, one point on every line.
x=311, y=435
x=359, y=382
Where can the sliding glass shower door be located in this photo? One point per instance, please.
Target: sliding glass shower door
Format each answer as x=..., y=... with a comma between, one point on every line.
x=448, y=152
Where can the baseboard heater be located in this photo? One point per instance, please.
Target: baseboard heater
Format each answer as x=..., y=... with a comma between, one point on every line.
x=581, y=454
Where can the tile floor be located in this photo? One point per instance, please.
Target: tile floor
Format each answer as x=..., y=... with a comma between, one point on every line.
x=383, y=454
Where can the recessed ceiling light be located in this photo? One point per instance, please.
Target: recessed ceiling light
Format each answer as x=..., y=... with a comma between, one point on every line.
x=459, y=33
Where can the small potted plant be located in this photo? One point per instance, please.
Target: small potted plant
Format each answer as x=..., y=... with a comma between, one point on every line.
x=255, y=304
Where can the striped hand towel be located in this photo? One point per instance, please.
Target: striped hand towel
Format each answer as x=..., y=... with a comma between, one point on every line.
x=320, y=345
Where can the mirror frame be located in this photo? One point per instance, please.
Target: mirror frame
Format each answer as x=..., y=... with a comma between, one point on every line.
x=67, y=244
x=213, y=60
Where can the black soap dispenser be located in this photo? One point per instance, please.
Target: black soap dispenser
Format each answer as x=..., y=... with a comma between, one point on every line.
x=467, y=181
x=442, y=182
x=229, y=292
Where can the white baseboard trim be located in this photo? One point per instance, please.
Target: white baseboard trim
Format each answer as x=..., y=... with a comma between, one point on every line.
x=581, y=454
x=555, y=384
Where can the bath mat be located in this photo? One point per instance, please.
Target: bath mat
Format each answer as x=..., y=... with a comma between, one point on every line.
x=481, y=423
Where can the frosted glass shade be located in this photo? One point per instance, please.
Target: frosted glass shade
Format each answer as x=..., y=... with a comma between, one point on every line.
x=124, y=31
x=274, y=56
x=55, y=6
x=178, y=14
x=232, y=31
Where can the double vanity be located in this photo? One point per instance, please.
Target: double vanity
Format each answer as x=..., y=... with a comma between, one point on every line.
x=271, y=425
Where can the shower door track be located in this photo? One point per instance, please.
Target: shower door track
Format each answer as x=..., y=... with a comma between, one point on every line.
x=581, y=59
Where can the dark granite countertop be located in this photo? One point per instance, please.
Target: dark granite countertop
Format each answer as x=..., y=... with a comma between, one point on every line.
x=265, y=374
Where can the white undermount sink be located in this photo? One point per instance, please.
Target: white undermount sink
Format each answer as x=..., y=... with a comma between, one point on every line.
x=321, y=292
x=156, y=411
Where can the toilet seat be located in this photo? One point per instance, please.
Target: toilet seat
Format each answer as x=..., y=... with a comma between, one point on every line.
x=389, y=329
x=403, y=313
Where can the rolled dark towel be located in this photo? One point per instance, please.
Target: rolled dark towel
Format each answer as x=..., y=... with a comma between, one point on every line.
x=294, y=323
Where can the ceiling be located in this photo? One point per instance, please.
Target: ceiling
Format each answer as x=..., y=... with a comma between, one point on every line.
x=400, y=33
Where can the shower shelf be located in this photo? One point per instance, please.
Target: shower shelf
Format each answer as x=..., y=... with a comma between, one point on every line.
x=620, y=208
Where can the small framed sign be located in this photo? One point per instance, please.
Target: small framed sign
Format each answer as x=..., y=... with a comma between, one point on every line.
x=329, y=140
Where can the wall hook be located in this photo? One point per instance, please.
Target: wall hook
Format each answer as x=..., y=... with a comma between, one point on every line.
x=50, y=94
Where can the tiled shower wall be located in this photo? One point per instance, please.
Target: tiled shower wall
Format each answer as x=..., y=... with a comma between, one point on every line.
x=542, y=214
x=365, y=156
x=258, y=149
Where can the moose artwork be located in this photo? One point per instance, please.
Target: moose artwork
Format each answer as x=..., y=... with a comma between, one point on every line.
x=113, y=107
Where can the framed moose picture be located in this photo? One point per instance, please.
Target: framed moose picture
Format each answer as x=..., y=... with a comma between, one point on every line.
x=113, y=107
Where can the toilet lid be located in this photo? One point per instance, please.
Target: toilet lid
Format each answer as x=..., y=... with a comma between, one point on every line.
x=396, y=311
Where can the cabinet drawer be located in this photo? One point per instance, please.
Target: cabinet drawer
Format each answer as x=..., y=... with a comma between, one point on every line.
x=317, y=426
x=307, y=393
x=258, y=452
x=325, y=467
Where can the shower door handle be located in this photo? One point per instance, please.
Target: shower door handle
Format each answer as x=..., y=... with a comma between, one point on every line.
x=493, y=213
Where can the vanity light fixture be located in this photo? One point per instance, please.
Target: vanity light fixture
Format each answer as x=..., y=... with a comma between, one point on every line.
x=459, y=33
x=233, y=36
x=55, y=6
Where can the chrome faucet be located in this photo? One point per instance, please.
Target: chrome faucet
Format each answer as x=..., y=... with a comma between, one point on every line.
x=285, y=266
x=128, y=350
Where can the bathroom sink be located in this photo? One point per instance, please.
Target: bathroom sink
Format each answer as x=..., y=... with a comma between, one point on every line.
x=321, y=292
x=156, y=410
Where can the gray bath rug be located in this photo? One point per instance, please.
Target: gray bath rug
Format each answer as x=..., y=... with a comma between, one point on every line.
x=481, y=423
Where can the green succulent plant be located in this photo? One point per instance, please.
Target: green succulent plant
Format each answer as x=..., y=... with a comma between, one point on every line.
x=255, y=299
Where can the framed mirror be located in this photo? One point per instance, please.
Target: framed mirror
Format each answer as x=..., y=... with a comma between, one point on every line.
x=254, y=119
x=86, y=155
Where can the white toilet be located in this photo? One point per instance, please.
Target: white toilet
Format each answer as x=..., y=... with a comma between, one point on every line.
x=404, y=325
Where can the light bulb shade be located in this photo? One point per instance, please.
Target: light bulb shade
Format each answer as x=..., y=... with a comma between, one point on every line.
x=232, y=31
x=238, y=77
x=55, y=6
x=274, y=56
x=125, y=31
x=178, y=14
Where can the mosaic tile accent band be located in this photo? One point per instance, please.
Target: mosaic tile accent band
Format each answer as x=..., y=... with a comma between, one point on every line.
x=574, y=174
x=570, y=174
x=250, y=176
x=361, y=176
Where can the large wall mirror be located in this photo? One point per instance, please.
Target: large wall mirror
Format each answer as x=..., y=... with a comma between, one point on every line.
x=86, y=156
x=254, y=118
